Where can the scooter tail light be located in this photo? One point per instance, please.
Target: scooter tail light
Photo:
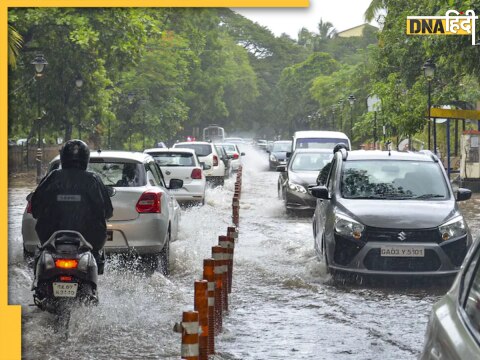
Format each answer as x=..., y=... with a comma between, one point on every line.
x=66, y=263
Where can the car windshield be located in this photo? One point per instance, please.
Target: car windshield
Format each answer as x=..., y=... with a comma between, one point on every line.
x=119, y=173
x=318, y=143
x=230, y=149
x=393, y=180
x=310, y=161
x=174, y=159
x=282, y=147
x=200, y=149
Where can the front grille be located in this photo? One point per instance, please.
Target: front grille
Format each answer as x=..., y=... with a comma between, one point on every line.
x=345, y=250
x=456, y=251
x=402, y=235
x=430, y=262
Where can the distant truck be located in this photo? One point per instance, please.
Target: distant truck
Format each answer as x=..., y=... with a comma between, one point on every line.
x=213, y=133
x=319, y=140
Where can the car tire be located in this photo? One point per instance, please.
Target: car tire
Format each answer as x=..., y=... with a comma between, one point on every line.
x=164, y=258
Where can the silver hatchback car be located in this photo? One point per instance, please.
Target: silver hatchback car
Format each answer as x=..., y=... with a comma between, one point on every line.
x=145, y=214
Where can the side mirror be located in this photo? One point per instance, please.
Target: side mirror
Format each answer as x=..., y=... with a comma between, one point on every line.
x=320, y=192
x=268, y=151
x=242, y=154
x=281, y=168
x=205, y=166
x=463, y=194
x=288, y=154
x=175, y=184
x=111, y=191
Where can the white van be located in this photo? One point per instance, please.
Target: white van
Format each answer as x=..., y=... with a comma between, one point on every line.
x=319, y=140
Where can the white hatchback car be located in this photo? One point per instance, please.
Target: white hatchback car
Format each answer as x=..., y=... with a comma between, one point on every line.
x=208, y=155
x=182, y=164
x=145, y=214
x=234, y=153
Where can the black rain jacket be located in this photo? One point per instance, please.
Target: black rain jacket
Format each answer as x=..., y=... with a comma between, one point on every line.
x=72, y=199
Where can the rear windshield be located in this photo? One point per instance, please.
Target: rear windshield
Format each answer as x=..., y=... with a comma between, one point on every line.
x=318, y=143
x=119, y=173
x=229, y=148
x=174, y=159
x=395, y=179
x=115, y=173
x=200, y=149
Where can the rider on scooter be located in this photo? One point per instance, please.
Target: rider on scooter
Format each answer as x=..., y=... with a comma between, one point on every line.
x=72, y=198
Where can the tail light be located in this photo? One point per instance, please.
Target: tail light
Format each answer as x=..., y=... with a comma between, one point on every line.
x=66, y=278
x=149, y=202
x=66, y=263
x=196, y=174
x=29, y=207
x=235, y=155
x=215, y=160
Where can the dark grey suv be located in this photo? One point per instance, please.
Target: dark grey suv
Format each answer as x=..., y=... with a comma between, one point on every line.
x=389, y=213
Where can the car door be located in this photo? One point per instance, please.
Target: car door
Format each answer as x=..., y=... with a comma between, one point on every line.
x=324, y=206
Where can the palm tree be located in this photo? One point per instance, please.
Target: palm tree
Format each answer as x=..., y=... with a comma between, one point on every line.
x=15, y=42
x=374, y=7
x=326, y=30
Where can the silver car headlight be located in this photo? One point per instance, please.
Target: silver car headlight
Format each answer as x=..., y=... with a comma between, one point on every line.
x=348, y=227
x=297, y=187
x=453, y=228
x=273, y=157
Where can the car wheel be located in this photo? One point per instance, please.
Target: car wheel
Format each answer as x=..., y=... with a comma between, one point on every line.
x=164, y=258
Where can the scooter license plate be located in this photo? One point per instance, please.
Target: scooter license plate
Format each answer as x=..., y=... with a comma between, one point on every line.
x=64, y=289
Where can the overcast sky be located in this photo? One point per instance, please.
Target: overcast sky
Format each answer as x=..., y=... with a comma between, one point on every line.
x=343, y=14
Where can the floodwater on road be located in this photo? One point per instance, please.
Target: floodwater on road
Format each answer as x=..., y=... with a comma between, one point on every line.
x=282, y=304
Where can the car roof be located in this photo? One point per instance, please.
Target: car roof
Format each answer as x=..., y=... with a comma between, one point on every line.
x=324, y=151
x=193, y=142
x=167, y=150
x=282, y=141
x=388, y=155
x=320, y=134
x=117, y=155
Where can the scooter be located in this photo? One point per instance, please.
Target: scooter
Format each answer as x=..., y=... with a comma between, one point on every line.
x=65, y=274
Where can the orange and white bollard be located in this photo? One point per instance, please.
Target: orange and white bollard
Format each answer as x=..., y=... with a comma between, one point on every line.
x=219, y=254
x=218, y=270
x=209, y=275
x=201, y=305
x=228, y=244
x=190, y=349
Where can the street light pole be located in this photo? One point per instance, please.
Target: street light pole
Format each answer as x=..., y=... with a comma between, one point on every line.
x=79, y=84
x=351, y=100
x=429, y=73
x=39, y=62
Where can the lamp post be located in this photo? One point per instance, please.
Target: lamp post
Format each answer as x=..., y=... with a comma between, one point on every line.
x=39, y=62
x=130, y=97
x=429, y=73
x=340, y=107
x=373, y=104
x=78, y=85
x=143, y=102
x=334, y=109
x=351, y=100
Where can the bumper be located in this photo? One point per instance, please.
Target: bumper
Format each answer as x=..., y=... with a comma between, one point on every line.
x=299, y=201
x=439, y=260
x=190, y=192
x=273, y=164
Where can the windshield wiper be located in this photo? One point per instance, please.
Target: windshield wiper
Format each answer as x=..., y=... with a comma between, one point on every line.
x=428, y=196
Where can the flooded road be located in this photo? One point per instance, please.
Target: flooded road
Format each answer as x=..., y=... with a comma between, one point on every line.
x=282, y=305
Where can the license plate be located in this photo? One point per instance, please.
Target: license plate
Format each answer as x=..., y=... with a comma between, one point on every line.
x=402, y=251
x=109, y=235
x=62, y=289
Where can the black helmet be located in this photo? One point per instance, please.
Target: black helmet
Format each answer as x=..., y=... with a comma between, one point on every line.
x=74, y=154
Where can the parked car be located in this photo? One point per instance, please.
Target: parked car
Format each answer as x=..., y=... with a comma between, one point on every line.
x=234, y=154
x=182, y=164
x=261, y=144
x=225, y=158
x=234, y=140
x=278, y=154
x=207, y=154
x=453, y=331
x=389, y=213
x=296, y=179
x=145, y=216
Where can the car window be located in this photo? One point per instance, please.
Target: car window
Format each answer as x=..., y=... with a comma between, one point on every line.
x=471, y=303
x=310, y=161
x=282, y=147
x=118, y=173
x=393, y=179
x=331, y=175
x=229, y=148
x=318, y=143
x=200, y=149
x=174, y=159
x=156, y=172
